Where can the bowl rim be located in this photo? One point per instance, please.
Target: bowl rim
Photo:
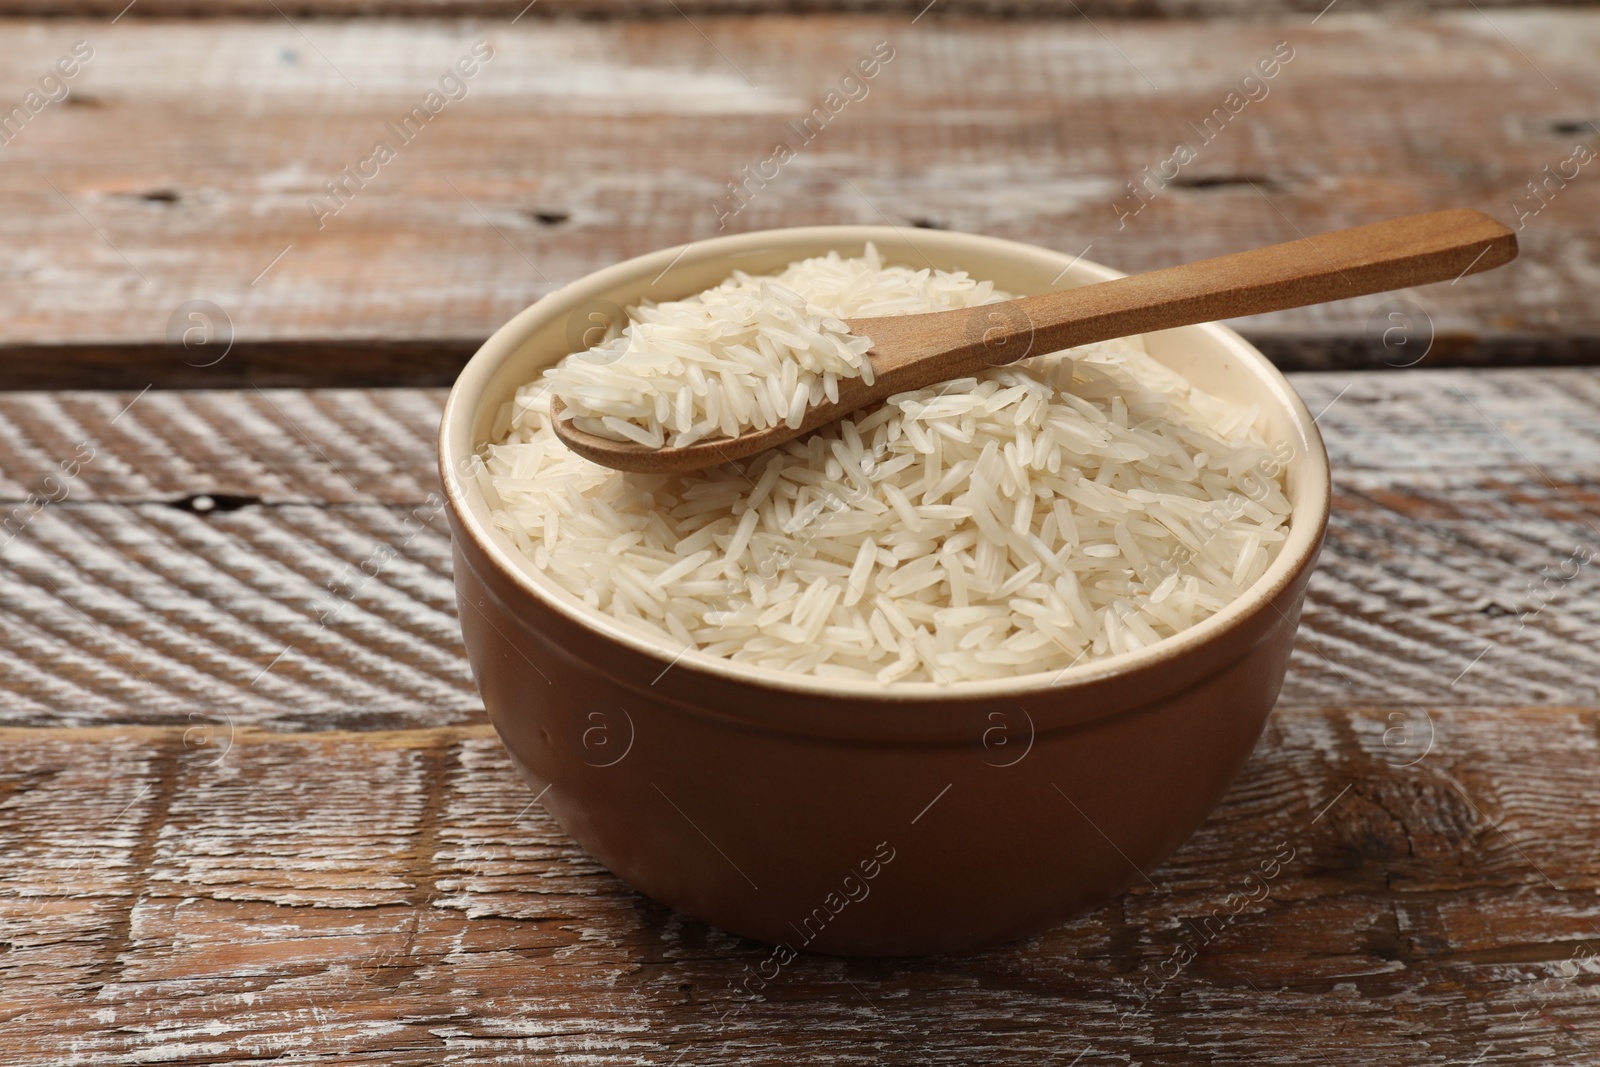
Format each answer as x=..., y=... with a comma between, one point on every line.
x=470, y=509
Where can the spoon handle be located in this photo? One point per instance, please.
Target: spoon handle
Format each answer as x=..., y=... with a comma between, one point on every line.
x=1414, y=250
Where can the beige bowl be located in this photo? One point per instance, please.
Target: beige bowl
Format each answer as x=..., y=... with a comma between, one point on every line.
x=853, y=817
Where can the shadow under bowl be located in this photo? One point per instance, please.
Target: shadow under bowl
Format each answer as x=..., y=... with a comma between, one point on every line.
x=858, y=818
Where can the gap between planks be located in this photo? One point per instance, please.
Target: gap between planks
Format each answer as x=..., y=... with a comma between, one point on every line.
x=435, y=362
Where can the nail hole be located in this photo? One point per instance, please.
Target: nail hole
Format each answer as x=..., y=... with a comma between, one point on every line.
x=206, y=503
x=549, y=218
x=1571, y=127
x=84, y=100
x=927, y=224
x=160, y=196
x=1224, y=181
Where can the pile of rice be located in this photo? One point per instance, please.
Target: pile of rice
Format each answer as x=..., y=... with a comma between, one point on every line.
x=751, y=353
x=1075, y=505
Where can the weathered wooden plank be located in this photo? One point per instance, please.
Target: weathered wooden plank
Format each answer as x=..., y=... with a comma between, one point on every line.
x=249, y=616
x=581, y=143
x=283, y=446
x=1456, y=570
x=636, y=9
x=395, y=898
x=377, y=446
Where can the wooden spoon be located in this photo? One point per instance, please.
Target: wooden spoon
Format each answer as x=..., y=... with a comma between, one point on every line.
x=915, y=351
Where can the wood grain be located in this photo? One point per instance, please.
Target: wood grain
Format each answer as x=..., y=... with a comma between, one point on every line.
x=582, y=143
x=395, y=898
x=637, y=9
x=1450, y=575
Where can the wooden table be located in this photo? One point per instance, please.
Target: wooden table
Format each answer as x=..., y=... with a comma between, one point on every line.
x=250, y=806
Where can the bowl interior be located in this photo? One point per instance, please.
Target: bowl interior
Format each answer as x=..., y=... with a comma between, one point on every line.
x=1212, y=357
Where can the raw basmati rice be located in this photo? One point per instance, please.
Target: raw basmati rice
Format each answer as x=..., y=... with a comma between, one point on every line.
x=748, y=354
x=1071, y=506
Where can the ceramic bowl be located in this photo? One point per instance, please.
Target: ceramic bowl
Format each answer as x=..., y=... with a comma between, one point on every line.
x=857, y=818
